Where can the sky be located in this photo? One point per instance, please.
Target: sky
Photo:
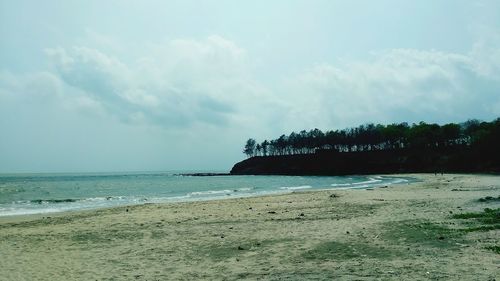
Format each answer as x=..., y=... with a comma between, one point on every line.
x=103, y=86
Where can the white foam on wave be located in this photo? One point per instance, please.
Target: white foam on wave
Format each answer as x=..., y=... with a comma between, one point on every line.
x=11, y=211
x=29, y=207
x=209, y=192
x=18, y=212
x=359, y=184
x=341, y=184
x=370, y=181
x=169, y=199
x=46, y=206
x=395, y=181
x=106, y=198
x=295, y=187
x=353, y=187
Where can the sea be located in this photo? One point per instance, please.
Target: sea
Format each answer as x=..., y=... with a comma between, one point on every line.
x=22, y=194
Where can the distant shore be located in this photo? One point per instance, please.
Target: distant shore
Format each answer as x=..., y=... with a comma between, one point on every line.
x=333, y=163
x=203, y=174
x=402, y=232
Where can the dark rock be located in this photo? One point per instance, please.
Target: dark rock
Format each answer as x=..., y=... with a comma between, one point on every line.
x=271, y=212
x=203, y=174
x=241, y=248
x=332, y=162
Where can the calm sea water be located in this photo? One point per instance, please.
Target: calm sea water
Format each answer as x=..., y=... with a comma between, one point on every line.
x=46, y=193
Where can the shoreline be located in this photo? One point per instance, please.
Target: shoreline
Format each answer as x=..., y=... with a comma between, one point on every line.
x=402, y=232
x=176, y=199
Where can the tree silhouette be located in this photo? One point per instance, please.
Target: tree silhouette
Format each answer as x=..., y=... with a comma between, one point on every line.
x=249, y=149
x=264, y=146
x=372, y=137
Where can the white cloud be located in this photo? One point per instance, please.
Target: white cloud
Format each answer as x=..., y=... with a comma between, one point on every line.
x=39, y=87
x=188, y=83
x=397, y=85
x=174, y=84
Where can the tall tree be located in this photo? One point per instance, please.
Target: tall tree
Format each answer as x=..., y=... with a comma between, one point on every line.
x=258, y=149
x=249, y=149
x=264, y=145
x=473, y=133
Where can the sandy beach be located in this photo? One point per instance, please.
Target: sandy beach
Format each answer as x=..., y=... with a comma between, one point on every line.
x=399, y=232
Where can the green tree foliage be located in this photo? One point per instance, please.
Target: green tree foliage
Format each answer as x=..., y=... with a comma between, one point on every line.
x=250, y=147
x=485, y=136
x=264, y=146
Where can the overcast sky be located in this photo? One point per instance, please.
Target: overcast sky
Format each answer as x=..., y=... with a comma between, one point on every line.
x=123, y=85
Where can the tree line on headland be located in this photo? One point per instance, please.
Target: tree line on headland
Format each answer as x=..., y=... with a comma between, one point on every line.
x=371, y=137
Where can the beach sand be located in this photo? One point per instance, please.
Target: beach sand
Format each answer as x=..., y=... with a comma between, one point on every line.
x=401, y=232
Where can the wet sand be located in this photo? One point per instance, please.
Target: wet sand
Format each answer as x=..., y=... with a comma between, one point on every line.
x=401, y=232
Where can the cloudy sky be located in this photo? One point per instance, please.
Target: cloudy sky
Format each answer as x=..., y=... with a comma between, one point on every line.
x=175, y=85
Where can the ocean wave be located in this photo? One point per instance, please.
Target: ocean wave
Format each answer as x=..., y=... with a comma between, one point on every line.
x=210, y=192
x=395, y=181
x=171, y=198
x=41, y=201
x=363, y=186
x=26, y=211
x=295, y=187
x=340, y=184
x=74, y=200
x=53, y=201
x=370, y=181
x=354, y=187
x=357, y=184
x=106, y=198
